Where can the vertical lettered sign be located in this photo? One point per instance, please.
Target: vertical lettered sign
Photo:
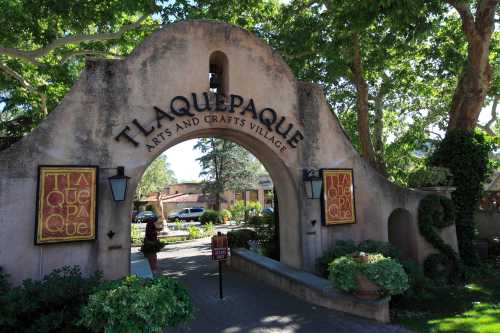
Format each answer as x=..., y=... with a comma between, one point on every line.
x=338, y=197
x=66, y=204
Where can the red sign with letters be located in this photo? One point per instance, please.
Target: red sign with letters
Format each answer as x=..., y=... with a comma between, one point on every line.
x=66, y=207
x=220, y=249
x=338, y=197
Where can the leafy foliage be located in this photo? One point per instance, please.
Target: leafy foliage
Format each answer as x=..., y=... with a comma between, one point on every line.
x=433, y=176
x=436, y=212
x=226, y=166
x=49, y=305
x=387, y=273
x=466, y=156
x=208, y=229
x=265, y=228
x=194, y=232
x=439, y=268
x=156, y=177
x=239, y=238
x=240, y=209
x=211, y=216
x=135, y=304
x=348, y=247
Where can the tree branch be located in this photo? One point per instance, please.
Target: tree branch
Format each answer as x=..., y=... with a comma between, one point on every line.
x=32, y=55
x=494, y=117
x=485, y=17
x=25, y=84
x=77, y=53
x=468, y=26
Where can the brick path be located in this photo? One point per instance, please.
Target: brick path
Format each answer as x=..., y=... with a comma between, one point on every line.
x=249, y=305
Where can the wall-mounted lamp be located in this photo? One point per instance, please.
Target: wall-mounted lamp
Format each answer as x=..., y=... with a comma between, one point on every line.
x=118, y=184
x=312, y=183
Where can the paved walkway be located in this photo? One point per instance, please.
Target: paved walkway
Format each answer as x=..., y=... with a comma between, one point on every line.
x=249, y=305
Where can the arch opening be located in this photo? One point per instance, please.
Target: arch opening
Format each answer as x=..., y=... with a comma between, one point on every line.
x=282, y=182
x=400, y=232
x=218, y=73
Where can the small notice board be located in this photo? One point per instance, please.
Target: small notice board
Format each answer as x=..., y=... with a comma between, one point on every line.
x=220, y=248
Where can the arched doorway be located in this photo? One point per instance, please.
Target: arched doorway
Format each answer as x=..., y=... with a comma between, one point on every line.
x=401, y=233
x=283, y=181
x=199, y=178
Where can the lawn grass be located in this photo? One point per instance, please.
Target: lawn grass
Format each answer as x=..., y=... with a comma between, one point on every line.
x=473, y=308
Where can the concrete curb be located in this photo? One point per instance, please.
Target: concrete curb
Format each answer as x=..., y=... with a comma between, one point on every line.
x=306, y=286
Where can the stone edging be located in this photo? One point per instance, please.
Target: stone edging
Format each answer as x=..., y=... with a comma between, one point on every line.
x=307, y=286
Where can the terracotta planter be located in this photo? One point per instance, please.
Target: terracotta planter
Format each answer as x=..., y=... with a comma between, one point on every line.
x=153, y=261
x=367, y=289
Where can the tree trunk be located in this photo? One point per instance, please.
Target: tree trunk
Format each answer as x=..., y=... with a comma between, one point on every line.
x=367, y=150
x=475, y=79
x=378, y=134
x=472, y=88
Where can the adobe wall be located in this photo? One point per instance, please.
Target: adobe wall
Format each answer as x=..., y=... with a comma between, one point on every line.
x=103, y=120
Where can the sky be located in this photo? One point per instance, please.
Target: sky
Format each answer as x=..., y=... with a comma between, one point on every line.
x=182, y=159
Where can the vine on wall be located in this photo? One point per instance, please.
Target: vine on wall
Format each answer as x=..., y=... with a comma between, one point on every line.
x=465, y=154
x=436, y=212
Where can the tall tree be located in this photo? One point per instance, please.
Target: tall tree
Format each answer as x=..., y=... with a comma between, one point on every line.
x=43, y=45
x=226, y=166
x=478, y=23
x=155, y=178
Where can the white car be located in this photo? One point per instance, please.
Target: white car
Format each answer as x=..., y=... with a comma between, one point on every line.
x=186, y=214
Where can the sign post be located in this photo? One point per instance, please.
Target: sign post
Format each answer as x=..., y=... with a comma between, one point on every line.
x=220, y=252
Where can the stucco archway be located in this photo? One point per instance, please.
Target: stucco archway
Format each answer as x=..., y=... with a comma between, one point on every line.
x=280, y=174
x=126, y=112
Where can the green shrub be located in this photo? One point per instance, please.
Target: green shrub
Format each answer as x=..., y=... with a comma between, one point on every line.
x=428, y=177
x=211, y=216
x=439, y=268
x=136, y=236
x=387, y=273
x=239, y=208
x=225, y=214
x=240, y=238
x=134, y=304
x=178, y=224
x=149, y=247
x=50, y=305
x=194, y=232
x=342, y=248
x=265, y=227
x=208, y=229
x=384, y=248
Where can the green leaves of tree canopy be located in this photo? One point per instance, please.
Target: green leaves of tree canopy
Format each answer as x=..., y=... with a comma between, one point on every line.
x=157, y=175
x=226, y=165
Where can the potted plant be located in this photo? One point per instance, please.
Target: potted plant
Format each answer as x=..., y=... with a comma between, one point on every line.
x=368, y=275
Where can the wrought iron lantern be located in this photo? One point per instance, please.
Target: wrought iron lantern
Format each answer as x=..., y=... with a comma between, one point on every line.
x=312, y=183
x=118, y=184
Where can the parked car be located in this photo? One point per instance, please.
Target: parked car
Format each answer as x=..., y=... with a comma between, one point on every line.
x=145, y=217
x=268, y=211
x=186, y=214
